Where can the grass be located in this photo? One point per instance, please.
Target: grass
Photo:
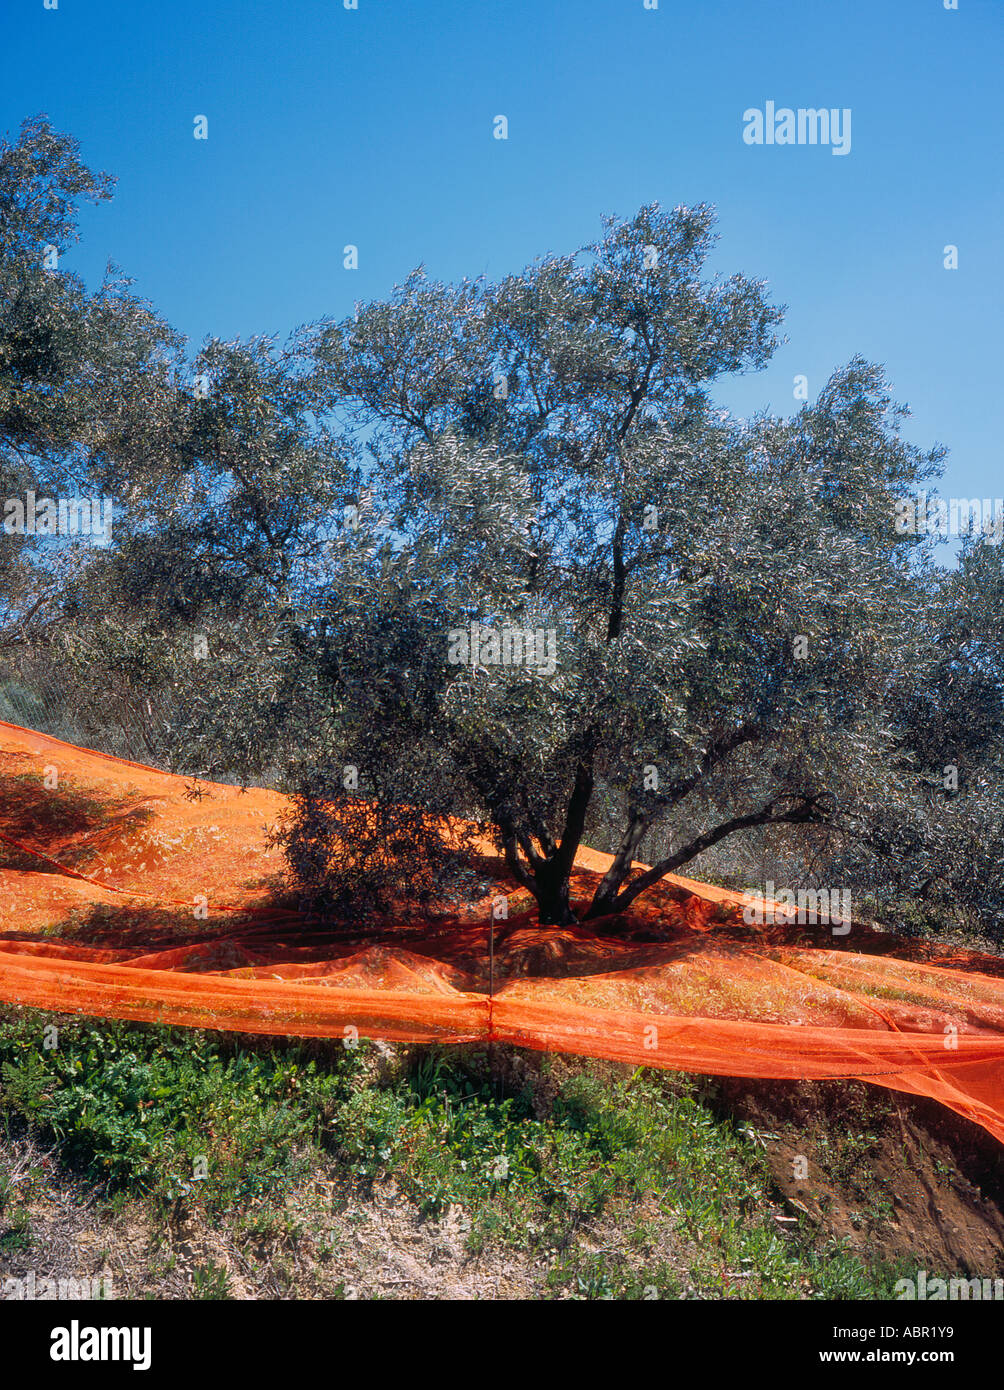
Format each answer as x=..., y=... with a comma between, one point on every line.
x=211, y=1281
x=160, y=1113
x=621, y=1185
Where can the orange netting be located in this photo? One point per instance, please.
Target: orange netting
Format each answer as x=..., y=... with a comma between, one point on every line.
x=127, y=893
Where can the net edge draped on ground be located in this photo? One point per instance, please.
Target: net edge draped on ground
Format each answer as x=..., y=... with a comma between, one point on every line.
x=144, y=846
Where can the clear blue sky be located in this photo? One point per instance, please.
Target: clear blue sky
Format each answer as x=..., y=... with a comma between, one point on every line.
x=374, y=126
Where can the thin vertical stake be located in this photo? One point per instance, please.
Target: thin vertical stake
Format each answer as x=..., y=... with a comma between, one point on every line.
x=491, y=954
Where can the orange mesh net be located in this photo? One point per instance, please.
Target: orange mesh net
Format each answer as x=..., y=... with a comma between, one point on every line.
x=129, y=893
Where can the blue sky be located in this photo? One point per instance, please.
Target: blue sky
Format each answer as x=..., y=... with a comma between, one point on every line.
x=373, y=126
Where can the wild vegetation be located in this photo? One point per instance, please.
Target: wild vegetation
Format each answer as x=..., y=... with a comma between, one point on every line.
x=536, y=1176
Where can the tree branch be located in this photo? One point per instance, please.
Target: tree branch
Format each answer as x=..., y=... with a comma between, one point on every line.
x=801, y=815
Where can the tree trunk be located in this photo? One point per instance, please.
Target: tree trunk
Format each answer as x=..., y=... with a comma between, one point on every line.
x=553, y=907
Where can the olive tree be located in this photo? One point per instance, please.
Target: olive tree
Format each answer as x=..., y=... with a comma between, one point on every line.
x=572, y=572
